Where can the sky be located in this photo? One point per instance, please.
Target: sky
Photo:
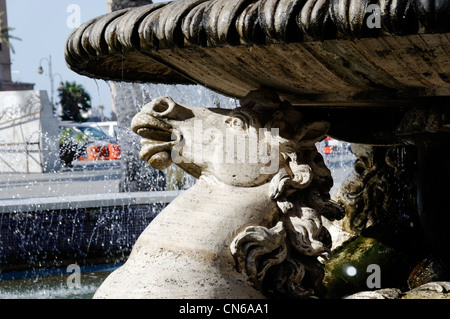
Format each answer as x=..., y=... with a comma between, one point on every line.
x=43, y=27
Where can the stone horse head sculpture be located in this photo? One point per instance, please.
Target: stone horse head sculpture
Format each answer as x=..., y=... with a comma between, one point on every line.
x=251, y=226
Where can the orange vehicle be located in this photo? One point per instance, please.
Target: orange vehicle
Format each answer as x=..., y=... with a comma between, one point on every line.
x=102, y=152
x=84, y=142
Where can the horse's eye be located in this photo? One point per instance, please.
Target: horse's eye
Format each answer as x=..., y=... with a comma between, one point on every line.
x=237, y=122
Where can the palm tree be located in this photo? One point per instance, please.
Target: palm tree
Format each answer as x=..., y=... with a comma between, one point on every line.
x=74, y=102
x=5, y=36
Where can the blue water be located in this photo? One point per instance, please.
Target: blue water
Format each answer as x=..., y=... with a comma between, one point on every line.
x=54, y=283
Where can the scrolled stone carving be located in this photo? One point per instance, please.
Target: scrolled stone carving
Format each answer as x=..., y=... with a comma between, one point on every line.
x=215, y=23
x=115, y=5
x=382, y=186
x=434, y=15
x=349, y=16
x=315, y=20
x=258, y=248
x=398, y=17
x=419, y=121
x=305, y=50
x=248, y=25
x=219, y=20
x=278, y=19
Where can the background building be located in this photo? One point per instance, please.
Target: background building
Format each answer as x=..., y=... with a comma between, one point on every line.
x=28, y=129
x=6, y=83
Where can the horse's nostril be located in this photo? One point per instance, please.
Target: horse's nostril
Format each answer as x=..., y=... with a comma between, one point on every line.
x=161, y=107
x=165, y=108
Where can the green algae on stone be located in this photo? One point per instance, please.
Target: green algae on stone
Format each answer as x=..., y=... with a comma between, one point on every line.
x=347, y=271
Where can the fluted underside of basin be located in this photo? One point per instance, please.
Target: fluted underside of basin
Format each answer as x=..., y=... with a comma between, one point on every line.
x=310, y=52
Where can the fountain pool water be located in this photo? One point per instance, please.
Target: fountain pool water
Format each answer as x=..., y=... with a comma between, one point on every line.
x=55, y=283
x=74, y=216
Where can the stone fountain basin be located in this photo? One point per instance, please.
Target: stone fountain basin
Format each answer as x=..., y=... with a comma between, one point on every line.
x=236, y=47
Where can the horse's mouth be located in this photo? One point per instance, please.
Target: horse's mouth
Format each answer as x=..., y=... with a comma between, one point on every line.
x=158, y=139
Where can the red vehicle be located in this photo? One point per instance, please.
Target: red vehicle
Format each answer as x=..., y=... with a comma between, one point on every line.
x=325, y=147
x=81, y=141
x=102, y=152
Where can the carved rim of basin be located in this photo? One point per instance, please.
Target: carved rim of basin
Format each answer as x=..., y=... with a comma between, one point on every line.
x=311, y=52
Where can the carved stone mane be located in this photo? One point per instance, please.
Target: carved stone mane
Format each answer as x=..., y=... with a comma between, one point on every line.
x=282, y=260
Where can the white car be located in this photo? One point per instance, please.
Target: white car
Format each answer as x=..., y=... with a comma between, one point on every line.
x=109, y=128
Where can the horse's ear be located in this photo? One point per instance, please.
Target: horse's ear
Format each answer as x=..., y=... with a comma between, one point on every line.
x=312, y=133
x=261, y=99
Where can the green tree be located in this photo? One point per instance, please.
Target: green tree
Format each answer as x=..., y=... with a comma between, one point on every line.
x=74, y=101
x=5, y=35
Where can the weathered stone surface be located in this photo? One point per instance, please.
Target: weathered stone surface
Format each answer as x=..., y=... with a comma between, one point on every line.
x=114, y=5
x=184, y=252
x=393, y=246
x=432, y=290
x=387, y=293
x=382, y=186
x=428, y=270
x=229, y=46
